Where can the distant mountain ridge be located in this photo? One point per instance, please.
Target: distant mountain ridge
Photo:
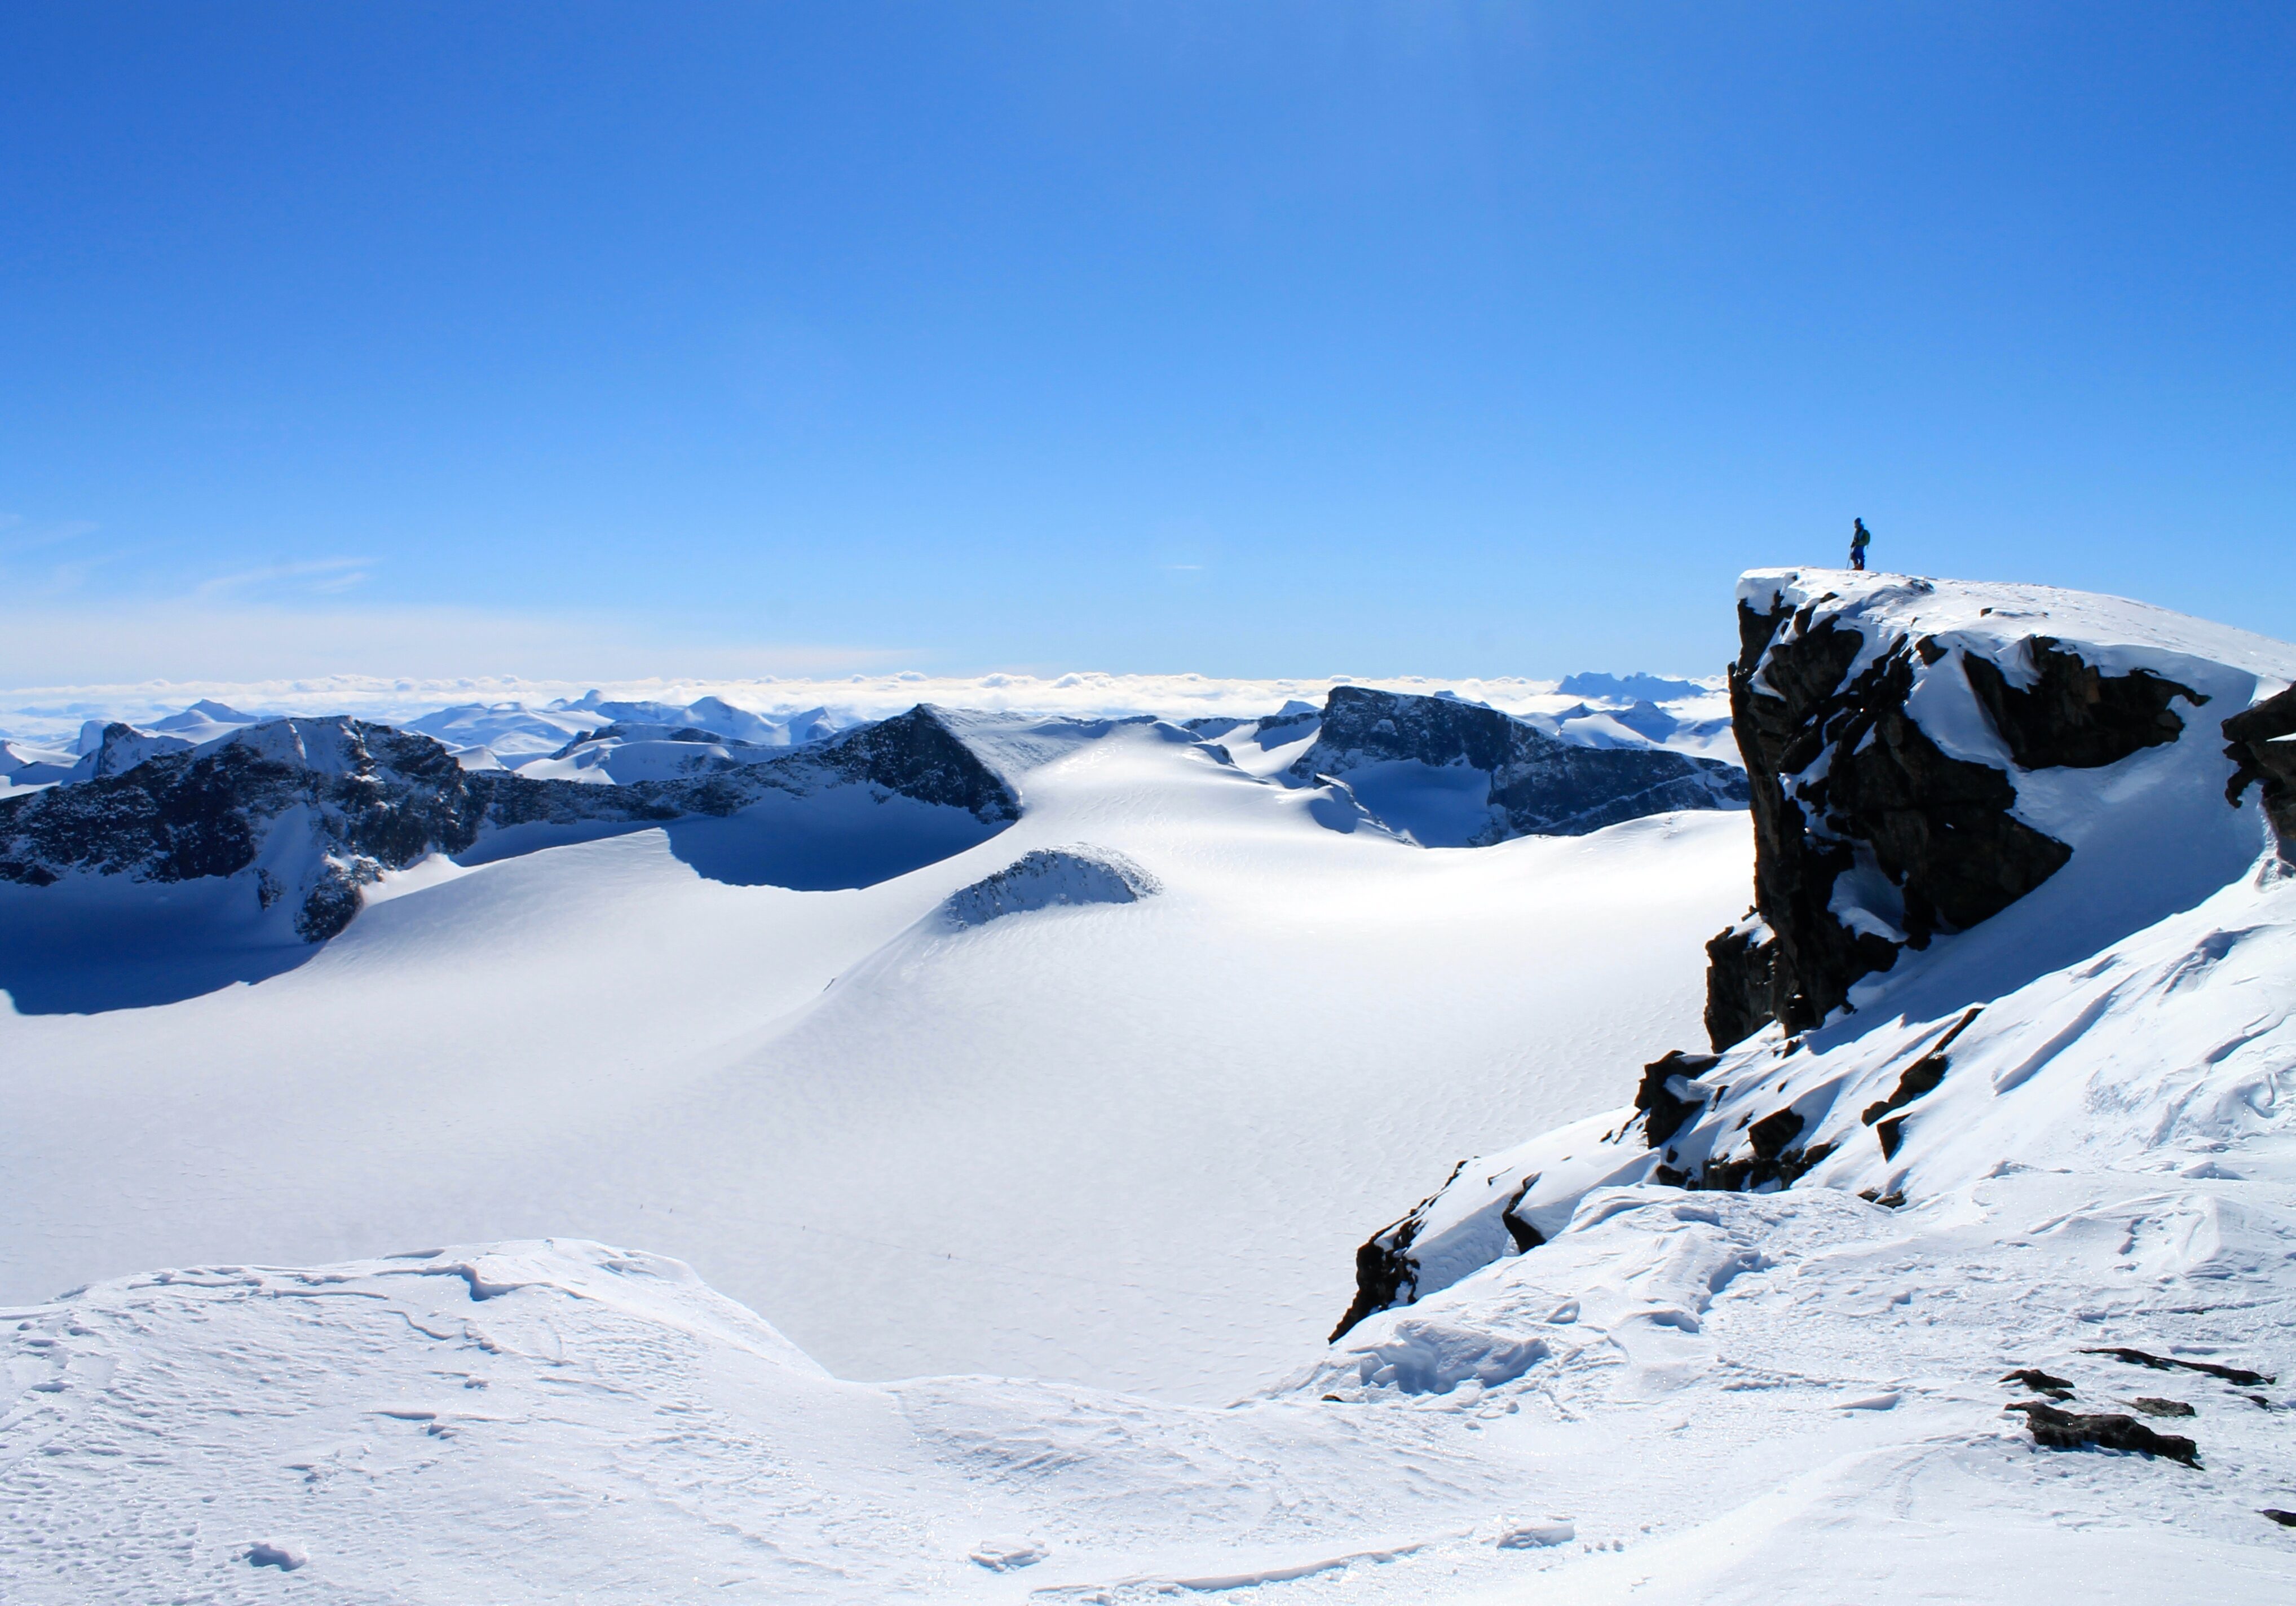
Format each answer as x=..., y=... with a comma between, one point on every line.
x=369, y=799
x=1390, y=748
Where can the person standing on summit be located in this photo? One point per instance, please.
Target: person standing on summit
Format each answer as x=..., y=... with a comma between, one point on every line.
x=1858, y=537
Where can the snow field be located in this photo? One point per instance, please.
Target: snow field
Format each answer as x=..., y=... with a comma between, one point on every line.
x=1078, y=1143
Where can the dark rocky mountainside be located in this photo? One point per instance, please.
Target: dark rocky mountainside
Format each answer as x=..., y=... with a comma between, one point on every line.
x=310, y=810
x=1539, y=784
x=1847, y=782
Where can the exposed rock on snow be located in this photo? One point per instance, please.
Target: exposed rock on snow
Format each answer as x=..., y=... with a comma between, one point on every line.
x=1455, y=773
x=1048, y=876
x=1738, y=980
x=2057, y=1429
x=2261, y=743
x=2072, y=714
x=115, y=748
x=312, y=810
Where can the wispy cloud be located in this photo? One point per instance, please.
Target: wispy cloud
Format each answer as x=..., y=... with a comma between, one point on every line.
x=324, y=575
x=18, y=534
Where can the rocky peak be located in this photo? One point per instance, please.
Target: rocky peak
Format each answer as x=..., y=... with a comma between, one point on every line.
x=1537, y=783
x=1870, y=836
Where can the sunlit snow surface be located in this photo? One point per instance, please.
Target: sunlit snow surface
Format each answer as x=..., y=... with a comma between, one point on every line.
x=1133, y=1145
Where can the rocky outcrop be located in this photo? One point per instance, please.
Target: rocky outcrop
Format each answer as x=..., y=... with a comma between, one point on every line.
x=1845, y=781
x=1668, y=1097
x=1539, y=785
x=2075, y=716
x=2261, y=743
x=311, y=810
x=1738, y=981
x=2055, y=1429
x=1047, y=877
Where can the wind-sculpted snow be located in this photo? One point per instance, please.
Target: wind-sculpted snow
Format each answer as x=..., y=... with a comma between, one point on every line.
x=1045, y=877
x=311, y=811
x=1683, y=1397
x=1453, y=773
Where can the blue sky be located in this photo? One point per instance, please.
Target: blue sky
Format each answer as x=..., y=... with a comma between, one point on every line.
x=1253, y=339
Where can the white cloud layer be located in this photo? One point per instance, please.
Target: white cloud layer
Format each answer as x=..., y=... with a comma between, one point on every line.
x=216, y=636
x=34, y=711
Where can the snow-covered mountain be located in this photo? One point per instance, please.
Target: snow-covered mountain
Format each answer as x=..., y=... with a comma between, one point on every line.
x=517, y=733
x=308, y=813
x=1453, y=774
x=1956, y=1265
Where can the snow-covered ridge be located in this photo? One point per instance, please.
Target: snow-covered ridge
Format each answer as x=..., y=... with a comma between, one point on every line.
x=369, y=800
x=1925, y=753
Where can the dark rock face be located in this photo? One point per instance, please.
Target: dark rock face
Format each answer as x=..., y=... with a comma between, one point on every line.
x=917, y=754
x=2261, y=743
x=2073, y=714
x=1842, y=779
x=379, y=799
x=1539, y=784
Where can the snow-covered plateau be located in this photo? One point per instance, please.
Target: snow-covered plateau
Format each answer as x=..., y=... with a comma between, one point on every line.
x=1016, y=1088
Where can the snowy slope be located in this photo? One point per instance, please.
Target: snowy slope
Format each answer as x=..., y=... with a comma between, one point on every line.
x=1685, y=1398
x=1049, y=1145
